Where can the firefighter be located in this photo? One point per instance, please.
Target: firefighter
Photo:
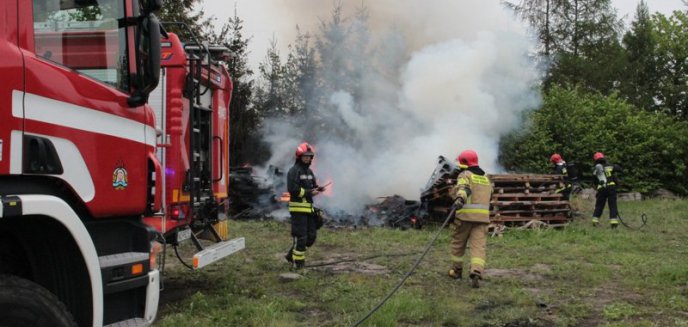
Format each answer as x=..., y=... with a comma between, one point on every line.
x=472, y=201
x=302, y=187
x=560, y=168
x=607, y=183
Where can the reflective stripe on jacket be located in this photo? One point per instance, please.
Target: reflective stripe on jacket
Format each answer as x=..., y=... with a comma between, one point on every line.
x=303, y=207
x=476, y=190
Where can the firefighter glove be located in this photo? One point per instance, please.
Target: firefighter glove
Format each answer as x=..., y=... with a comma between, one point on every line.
x=319, y=218
x=459, y=202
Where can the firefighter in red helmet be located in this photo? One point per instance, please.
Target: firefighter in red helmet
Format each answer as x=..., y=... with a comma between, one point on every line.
x=473, y=192
x=302, y=187
x=561, y=168
x=607, y=182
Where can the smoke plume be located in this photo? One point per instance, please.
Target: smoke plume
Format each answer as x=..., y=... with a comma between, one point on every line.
x=433, y=78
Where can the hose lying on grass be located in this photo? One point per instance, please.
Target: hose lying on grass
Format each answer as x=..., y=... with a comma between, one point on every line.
x=413, y=268
x=331, y=263
x=643, y=219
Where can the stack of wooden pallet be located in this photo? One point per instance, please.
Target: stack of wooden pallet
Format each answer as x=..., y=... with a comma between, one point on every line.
x=518, y=199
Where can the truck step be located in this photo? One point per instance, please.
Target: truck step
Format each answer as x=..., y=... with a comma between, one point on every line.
x=119, y=259
x=134, y=322
x=217, y=251
x=202, y=108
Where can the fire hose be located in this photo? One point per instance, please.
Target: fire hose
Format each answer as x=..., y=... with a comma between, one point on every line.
x=643, y=219
x=410, y=272
x=330, y=263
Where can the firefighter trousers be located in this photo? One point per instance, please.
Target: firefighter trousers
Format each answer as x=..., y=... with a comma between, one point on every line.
x=304, y=231
x=606, y=195
x=473, y=235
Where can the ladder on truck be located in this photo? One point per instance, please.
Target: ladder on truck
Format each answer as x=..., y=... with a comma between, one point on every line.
x=199, y=180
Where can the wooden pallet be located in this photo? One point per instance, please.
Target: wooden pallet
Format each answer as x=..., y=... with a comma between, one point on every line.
x=519, y=199
x=516, y=199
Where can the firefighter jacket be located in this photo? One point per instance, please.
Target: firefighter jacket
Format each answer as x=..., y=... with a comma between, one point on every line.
x=300, y=182
x=475, y=189
x=561, y=169
x=606, y=174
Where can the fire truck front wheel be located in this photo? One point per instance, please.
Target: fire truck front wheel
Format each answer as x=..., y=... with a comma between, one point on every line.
x=25, y=303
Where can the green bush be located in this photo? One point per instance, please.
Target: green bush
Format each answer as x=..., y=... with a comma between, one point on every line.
x=651, y=147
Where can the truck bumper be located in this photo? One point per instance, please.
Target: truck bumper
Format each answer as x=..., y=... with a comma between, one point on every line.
x=217, y=251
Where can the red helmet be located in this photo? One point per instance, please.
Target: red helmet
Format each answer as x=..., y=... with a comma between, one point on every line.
x=304, y=149
x=597, y=156
x=467, y=158
x=555, y=158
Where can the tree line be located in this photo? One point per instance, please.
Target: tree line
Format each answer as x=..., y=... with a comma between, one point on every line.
x=607, y=87
x=610, y=89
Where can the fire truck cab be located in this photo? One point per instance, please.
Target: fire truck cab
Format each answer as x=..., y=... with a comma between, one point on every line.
x=78, y=169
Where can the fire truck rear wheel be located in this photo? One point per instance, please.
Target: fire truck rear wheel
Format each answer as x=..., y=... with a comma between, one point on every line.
x=25, y=303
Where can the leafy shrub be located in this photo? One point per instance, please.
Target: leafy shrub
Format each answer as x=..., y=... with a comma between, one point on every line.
x=651, y=147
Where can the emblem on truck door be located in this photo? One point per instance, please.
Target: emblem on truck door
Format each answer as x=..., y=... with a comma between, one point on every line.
x=119, y=177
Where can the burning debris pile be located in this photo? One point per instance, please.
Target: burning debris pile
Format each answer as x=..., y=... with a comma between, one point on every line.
x=435, y=197
x=393, y=211
x=252, y=196
x=263, y=197
x=517, y=199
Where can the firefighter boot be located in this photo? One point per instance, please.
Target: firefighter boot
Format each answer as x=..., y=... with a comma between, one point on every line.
x=475, y=279
x=288, y=256
x=456, y=272
x=299, y=264
x=595, y=221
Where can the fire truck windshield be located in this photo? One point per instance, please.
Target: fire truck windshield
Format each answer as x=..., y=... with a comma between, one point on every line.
x=84, y=35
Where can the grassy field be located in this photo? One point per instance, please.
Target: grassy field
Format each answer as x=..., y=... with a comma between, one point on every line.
x=576, y=276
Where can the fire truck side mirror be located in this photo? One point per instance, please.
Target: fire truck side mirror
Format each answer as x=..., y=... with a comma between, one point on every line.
x=150, y=6
x=147, y=60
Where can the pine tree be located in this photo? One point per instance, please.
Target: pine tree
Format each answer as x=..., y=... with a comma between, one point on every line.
x=540, y=15
x=270, y=94
x=639, y=85
x=588, y=50
x=672, y=55
x=300, y=77
x=244, y=144
x=180, y=17
x=580, y=38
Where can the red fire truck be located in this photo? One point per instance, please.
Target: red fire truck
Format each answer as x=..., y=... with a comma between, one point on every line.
x=78, y=166
x=192, y=106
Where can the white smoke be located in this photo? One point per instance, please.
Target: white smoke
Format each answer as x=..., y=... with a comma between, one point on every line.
x=446, y=76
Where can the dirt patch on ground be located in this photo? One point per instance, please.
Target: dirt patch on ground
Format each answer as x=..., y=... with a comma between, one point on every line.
x=347, y=263
x=339, y=263
x=531, y=274
x=316, y=313
x=364, y=268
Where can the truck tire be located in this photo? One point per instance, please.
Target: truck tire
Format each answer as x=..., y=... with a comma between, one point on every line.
x=25, y=303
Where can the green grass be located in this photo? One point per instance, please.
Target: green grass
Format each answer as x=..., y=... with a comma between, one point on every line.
x=576, y=276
